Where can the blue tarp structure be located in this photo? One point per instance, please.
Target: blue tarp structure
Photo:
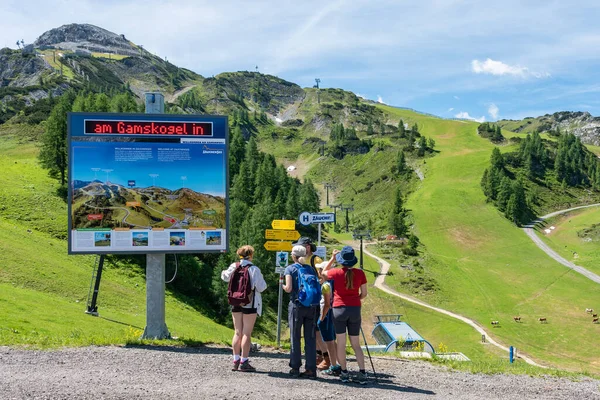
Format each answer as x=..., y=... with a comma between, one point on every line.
x=390, y=333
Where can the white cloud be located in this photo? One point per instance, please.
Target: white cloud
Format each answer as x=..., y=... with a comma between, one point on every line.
x=494, y=67
x=450, y=109
x=379, y=99
x=457, y=98
x=465, y=115
x=493, y=110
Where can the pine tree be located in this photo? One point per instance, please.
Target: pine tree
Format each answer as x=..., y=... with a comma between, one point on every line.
x=415, y=128
x=53, y=151
x=237, y=151
x=401, y=162
x=422, y=146
x=431, y=144
x=396, y=218
x=504, y=193
x=291, y=204
x=497, y=160
x=401, y=129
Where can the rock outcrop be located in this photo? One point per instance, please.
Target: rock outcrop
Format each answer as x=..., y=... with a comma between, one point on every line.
x=86, y=37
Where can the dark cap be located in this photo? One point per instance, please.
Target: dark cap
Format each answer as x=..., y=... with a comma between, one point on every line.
x=305, y=240
x=346, y=257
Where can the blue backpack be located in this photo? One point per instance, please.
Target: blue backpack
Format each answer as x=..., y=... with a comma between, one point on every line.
x=309, y=288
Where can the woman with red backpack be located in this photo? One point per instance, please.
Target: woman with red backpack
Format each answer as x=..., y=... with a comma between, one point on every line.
x=245, y=286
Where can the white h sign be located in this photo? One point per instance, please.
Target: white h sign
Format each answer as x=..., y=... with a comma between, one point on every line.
x=307, y=218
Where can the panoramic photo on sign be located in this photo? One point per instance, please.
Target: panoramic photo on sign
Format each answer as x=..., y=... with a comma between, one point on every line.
x=147, y=183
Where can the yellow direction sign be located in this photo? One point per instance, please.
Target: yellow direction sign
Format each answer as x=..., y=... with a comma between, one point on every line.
x=289, y=224
x=281, y=234
x=278, y=246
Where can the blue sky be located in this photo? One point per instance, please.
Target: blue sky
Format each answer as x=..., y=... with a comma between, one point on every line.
x=203, y=173
x=470, y=59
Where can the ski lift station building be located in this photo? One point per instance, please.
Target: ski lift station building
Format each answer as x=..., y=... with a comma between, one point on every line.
x=391, y=333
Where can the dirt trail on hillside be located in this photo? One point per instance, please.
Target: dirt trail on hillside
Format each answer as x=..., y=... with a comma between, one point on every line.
x=380, y=284
x=529, y=230
x=204, y=373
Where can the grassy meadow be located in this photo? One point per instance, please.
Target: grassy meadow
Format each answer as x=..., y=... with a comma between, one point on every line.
x=487, y=268
x=583, y=251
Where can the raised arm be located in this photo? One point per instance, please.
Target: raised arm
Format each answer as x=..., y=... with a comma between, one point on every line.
x=330, y=263
x=226, y=274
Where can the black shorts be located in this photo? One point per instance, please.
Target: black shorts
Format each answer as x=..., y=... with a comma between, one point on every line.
x=243, y=310
x=347, y=318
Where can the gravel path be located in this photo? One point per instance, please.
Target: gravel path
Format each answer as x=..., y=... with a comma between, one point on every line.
x=380, y=284
x=529, y=230
x=203, y=373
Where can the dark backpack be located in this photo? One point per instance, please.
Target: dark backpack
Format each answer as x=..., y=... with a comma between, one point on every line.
x=309, y=288
x=240, y=288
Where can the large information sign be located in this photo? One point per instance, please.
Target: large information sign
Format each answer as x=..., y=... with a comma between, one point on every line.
x=147, y=183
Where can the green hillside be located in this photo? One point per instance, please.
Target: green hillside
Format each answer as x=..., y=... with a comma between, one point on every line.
x=576, y=238
x=43, y=291
x=488, y=269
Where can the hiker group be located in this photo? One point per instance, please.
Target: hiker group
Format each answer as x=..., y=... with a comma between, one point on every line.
x=325, y=305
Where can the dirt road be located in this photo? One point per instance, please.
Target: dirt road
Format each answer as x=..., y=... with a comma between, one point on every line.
x=529, y=230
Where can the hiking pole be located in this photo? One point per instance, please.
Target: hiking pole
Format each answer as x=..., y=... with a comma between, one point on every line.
x=369, y=353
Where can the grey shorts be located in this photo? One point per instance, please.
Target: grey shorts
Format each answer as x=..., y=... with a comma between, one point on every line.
x=347, y=318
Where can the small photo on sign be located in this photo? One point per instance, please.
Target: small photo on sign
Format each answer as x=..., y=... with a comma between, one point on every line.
x=177, y=238
x=140, y=239
x=101, y=239
x=213, y=238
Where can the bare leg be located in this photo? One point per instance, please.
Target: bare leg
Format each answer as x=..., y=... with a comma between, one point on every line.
x=341, y=349
x=236, y=342
x=320, y=343
x=332, y=350
x=249, y=320
x=360, y=356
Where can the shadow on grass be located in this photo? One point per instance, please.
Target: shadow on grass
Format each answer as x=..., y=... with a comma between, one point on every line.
x=120, y=323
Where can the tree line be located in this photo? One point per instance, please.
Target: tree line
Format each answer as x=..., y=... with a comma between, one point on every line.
x=567, y=163
x=491, y=131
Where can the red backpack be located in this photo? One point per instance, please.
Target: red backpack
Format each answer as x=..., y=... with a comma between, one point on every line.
x=240, y=289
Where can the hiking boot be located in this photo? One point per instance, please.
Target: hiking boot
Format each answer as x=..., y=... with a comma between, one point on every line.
x=325, y=364
x=308, y=374
x=246, y=367
x=236, y=365
x=334, y=370
x=294, y=373
x=344, y=376
x=360, y=378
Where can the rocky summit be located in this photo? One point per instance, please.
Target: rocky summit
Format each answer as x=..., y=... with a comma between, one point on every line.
x=86, y=37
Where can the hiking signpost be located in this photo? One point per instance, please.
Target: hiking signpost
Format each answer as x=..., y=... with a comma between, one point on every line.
x=283, y=229
x=307, y=218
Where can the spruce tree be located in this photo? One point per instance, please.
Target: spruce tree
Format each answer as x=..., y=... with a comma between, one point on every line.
x=401, y=162
x=401, y=129
x=422, y=146
x=504, y=193
x=396, y=217
x=53, y=151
